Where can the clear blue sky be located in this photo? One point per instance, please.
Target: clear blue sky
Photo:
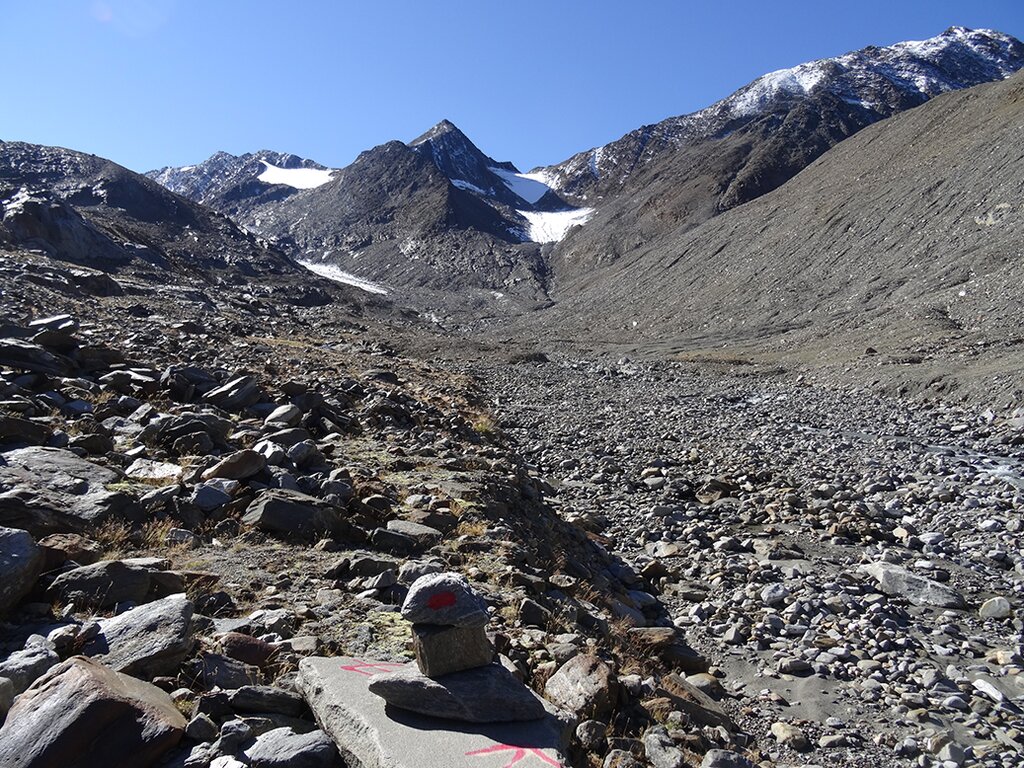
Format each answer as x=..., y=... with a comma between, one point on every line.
x=168, y=82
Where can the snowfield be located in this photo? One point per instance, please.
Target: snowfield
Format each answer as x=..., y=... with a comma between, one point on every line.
x=299, y=178
x=552, y=226
x=531, y=187
x=332, y=272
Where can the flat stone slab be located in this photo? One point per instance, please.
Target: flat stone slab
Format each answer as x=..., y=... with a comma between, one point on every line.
x=371, y=734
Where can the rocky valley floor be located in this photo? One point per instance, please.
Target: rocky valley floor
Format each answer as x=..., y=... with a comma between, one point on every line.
x=702, y=564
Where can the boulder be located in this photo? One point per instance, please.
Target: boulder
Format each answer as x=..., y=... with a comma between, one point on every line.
x=444, y=599
x=102, y=584
x=236, y=394
x=58, y=548
x=147, y=641
x=489, y=694
x=24, y=666
x=18, y=431
x=238, y=466
x=21, y=561
x=584, y=685
x=370, y=733
x=50, y=490
x=22, y=355
x=268, y=699
x=995, y=608
x=284, y=748
x=896, y=581
x=700, y=707
x=294, y=515
x=81, y=713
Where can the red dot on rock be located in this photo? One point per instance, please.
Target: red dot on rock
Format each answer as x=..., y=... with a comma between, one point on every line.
x=440, y=600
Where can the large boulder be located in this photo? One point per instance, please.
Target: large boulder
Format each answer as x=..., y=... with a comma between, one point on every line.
x=899, y=582
x=50, y=490
x=284, y=748
x=82, y=714
x=147, y=641
x=584, y=685
x=102, y=584
x=21, y=561
x=369, y=733
x=294, y=515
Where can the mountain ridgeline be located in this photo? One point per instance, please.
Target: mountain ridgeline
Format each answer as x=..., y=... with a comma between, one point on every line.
x=438, y=218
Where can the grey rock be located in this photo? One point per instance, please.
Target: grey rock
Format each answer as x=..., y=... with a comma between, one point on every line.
x=147, y=641
x=284, y=748
x=83, y=714
x=442, y=650
x=897, y=581
x=21, y=561
x=488, y=694
x=102, y=584
x=293, y=515
x=201, y=728
x=24, y=666
x=423, y=535
x=661, y=750
x=214, y=670
x=236, y=394
x=289, y=415
x=584, y=685
x=209, y=497
x=446, y=599
x=15, y=430
x=50, y=490
x=372, y=735
x=266, y=698
x=7, y=695
x=23, y=355
x=995, y=608
x=238, y=466
x=724, y=758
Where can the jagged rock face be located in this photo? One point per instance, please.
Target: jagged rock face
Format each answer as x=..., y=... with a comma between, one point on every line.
x=82, y=208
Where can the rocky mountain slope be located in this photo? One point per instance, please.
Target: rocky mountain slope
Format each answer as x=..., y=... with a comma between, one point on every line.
x=663, y=179
x=905, y=238
x=84, y=209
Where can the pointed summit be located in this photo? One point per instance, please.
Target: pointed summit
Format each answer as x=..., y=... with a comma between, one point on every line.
x=444, y=128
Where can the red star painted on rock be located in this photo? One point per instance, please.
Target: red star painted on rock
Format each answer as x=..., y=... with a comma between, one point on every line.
x=519, y=754
x=361, y=666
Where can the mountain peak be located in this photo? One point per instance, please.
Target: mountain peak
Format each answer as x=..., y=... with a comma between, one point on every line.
x=445, y=128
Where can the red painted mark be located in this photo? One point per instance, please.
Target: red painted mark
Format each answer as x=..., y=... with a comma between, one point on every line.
x=440, y=600
x=519, y=754
x=361, y=666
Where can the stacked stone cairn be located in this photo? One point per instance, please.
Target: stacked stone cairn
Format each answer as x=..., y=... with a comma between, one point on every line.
x=456, y=675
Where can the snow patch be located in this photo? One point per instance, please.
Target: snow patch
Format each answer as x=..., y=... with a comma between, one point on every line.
x=299, y=178
x=530, y=187
x=468, y=187
x=552, y=226
x=332, y=272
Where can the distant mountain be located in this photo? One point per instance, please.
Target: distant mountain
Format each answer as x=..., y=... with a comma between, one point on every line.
x=236, y=185
x=435, y=214
x=84, y=209
x=439, y=214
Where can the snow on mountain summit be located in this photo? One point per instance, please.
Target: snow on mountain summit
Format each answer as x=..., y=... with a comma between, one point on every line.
x=879, y=80
x=299, y=178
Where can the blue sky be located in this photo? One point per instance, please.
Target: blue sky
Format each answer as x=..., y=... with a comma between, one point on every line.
x=149, y=83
